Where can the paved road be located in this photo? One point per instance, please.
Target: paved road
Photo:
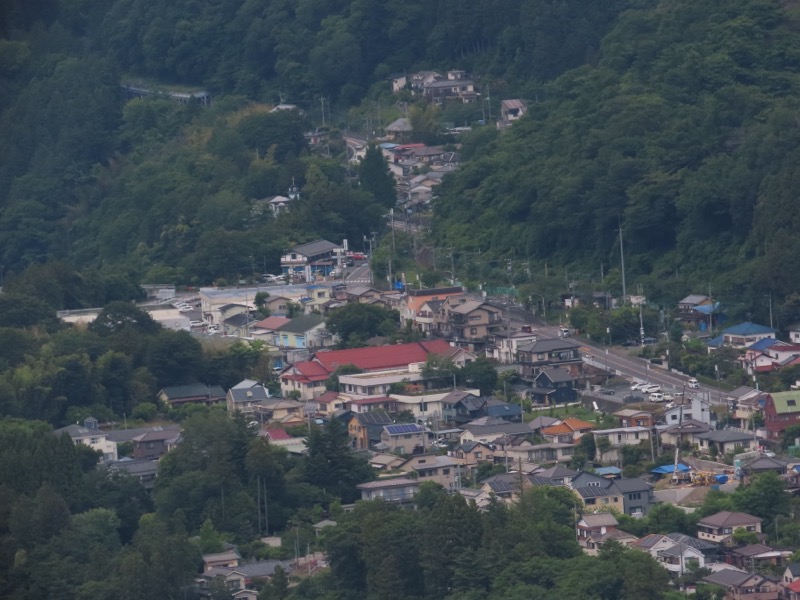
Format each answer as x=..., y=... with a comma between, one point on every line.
x=635, y=368
x=359, y=275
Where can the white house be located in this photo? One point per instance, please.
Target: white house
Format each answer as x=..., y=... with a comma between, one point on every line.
x=90, y=435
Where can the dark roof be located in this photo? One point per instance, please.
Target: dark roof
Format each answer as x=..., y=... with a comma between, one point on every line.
x=436, y=291
x=548, y=345
x=727, y=577
x=541, y=422
x=133, y=466
x=301, y=324
x=157, y=436
x=725, y=435
x=727, y=518
x=631, y=484
x=403, y=428
x=373, y=417
x=253, y=394
x=505, y=428
x=556, y=375
x=197, y=390
x=558, y=472
x=315, y=248
x=126, y=435
x=794, y=569
x=239, y=320
x=594, y=491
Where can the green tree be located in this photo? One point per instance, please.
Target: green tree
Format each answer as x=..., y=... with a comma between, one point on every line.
x=355, y=323
x=375, y=177
x=481, y=374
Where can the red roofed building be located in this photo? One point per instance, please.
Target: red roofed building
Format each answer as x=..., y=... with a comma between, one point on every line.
x=309, y=377
x=277, y=434
x=383, y=357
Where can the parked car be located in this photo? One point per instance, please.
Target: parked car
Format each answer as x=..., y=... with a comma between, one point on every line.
x=196, y=324
x=632, y=398
x=769, y=453
x=185, y=308
x=638, y=386
x=693, y=383
x=668, y=397
x=607, y=391
x=630, y=343
x=273, y=278
x=651, y=389
x=649, y=341
x=656, y=397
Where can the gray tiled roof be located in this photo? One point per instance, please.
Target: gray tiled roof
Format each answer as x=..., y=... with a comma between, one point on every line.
x=315, y=248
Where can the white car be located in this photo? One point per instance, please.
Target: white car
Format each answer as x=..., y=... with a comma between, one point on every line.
x=668, y=397
x=637, y=386
x=693, y=384
x=194, y=324
x=651, y=389
x=656, y=397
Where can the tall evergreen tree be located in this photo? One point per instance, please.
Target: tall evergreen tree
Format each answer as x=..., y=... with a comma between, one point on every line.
x=375, y=177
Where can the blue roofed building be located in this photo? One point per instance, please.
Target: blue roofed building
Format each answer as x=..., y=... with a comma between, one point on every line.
x=745, y=334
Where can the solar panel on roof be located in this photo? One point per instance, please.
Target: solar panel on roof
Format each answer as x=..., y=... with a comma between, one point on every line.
x=403, y=428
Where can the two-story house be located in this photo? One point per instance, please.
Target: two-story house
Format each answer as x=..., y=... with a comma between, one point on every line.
x=152, y=445
x=547, y=353
x=628, y=417
x=503, y=345
x=432, y=467
x=402, y=438
x=90, y=435
x=781, y=411
x=244, y=399
x=554, y=386
x=617, y=438
x=365, y=428
x=466, y=319
x=721, y=526
x=305, y=331
x=595, y=529
x=399, y=490
x=568, y=431
x=198, y=393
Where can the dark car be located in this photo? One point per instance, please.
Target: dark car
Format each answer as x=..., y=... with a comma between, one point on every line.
x=650, y=341
x=632, y=398
x=630, y=343
x=607, y=392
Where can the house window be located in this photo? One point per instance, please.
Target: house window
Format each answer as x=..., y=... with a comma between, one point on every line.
x=473, y=331
x=591, y=502
x=477, y=455
x=445, y=471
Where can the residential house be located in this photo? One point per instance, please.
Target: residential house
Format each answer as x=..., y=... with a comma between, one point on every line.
x=538, y=423
x=399, y=490
x=365, y=428
x=328, y=403
x=462, y=407
x=739, y=585
x=766, y=355
x=616, y=439
x=674, y=435
x=432, y=467
x=553, y=452
x=742, y=335
x=455, y=87
x=698, y=312
x=791, y=574
x=758, y=556
x=384, y=461
x=246, y=399
x=305, y=331
x=725, y=441
x=720, y=526
x=317, y=256
x=287, y=412
x=143, y=471
x=306, y=377
x=363, y=295
x=152, y=445
x=241, y=580
x=198, y=393
x=677, y=552
x=472, y=453
x=594, y=529
x=766, y=464
x=628, y=417
x=598, y=497
x=691, y=408
x=228, y=559
x=361, y=405
x=557, y=475
x=503, y=345
x=745, y=402
x=511, y=111
x=781, y=411
x=554, y=386
x=568, y=431
x=467, y=318
x=403, y=438
x=637, y=496
x=266, y=327
x=546, y=353
x=399, y=130
x=490, y=429
x=90, y=435
x=505, y=486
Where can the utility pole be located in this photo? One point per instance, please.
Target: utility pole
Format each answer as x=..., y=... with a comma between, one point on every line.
x=622, y=262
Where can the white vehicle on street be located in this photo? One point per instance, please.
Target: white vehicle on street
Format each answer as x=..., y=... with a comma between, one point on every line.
x=636, y=387
x=656, y=397
x=668, y=397
x=693, y=384
x=651, y=389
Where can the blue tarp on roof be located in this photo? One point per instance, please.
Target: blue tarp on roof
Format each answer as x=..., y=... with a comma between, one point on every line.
x=707, y=309
x=666, y=469
x=603, y=471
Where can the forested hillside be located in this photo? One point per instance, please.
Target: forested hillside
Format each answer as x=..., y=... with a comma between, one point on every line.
x=684, y=131
x=676, y=120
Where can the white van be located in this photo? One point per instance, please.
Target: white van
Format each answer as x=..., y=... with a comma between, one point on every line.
x=656, y=397
x=693, y=384
x=564, y=332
